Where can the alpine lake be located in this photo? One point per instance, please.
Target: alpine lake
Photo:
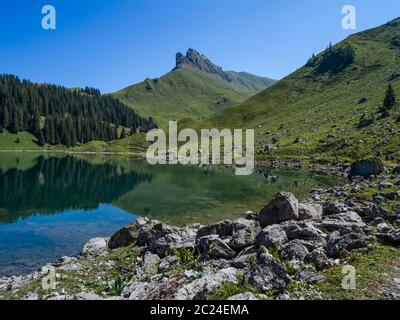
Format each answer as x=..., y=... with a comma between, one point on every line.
x=52, y=204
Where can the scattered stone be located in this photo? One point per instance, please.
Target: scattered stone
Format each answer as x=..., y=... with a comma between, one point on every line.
x=243, y=297
x=284, y=206
x=222, y=229
x=319, y=259
x=338, y=243
x=199, y=288
x=95, y=247
x=243, y=235
x=268, y=274
x=310, y=210
x=127, y=235
x=212, y=246
x=271, y=236
x=294, y=252
x=366, y=168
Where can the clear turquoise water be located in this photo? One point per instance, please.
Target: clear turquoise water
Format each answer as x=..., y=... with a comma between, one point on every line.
x=51, y=205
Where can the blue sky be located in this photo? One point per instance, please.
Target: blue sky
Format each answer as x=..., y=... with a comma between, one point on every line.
x=112, y=44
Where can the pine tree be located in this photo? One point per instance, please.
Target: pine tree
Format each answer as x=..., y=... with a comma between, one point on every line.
x=6, y=117
x=390, y=98
x=41, y=140
x=14, y=125
x=123, y=134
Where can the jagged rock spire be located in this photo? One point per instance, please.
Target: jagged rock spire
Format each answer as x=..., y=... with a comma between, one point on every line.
x=199, y=61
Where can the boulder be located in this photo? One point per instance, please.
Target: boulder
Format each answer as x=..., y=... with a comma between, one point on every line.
x=338, y=243
x=95, y=247
x=246, y=296
x=319, y=259
x=271, y=236
x=396, y=171
x=310, y=210
x=244, y=233
x=210, y=281
x=365, y=123
x=268, y=274
x=222, y=229
x=245, y=258
x=212, y=246
x=391, y=237
x=284, y=206
x=366, y=168
x=127, y=235
x=303, y=231
x=330, y=208
x=294, y=251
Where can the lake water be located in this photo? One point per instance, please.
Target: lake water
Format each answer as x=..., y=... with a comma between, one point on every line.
x=50, y=205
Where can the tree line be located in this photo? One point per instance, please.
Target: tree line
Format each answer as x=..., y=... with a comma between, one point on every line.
x=333, y=60
x=58, y=115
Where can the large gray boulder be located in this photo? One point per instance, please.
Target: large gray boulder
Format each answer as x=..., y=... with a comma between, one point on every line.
x=310, y=210
x=271, y=236
x=319, y=259
x=128, y=234
x=294, y=251
x=284, y=206
x=246, y=296
x=338, y=244
x=366, y=168
x=222, y=229
x=392, y=237
x=95, y=247
x=244, y=233
x=268, y=274
x=213, y=247
x=210, y=281
x=245, y=258
x=303, y=231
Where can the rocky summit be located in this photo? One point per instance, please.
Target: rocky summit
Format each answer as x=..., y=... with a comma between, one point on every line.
x=289, y=250
x=199, y=61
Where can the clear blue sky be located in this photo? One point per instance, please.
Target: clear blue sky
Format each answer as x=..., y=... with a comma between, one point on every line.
x=112, y=44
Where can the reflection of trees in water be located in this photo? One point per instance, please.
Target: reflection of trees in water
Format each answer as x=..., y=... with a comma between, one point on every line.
x=58, y=184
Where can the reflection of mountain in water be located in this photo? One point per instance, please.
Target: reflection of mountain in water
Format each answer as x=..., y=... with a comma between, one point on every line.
x=57, y=184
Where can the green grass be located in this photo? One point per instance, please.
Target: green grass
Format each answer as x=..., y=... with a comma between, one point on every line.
x=185, y=93
x=20, y=141
x=103, y=275
x=375, y=271
x=313, y=107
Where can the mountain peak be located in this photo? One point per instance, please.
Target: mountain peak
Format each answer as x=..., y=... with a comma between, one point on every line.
x=199, y=61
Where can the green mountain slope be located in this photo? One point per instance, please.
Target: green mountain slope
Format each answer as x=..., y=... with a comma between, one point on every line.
x=321, y=106
x=196, y=88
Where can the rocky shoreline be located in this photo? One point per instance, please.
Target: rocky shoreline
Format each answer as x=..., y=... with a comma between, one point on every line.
x=279, y=253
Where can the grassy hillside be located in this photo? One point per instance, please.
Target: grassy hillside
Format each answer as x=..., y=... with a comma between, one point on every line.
x=247, y=82
x=182, y=93
x=324, y=109
x=188, y=92
x=20, y=141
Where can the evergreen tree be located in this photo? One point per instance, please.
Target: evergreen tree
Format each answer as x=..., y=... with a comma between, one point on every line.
x=14, y=125
x=41, y=140
x=71, y=116
x=5, y=117
x=390, y=98
x=123, y=133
